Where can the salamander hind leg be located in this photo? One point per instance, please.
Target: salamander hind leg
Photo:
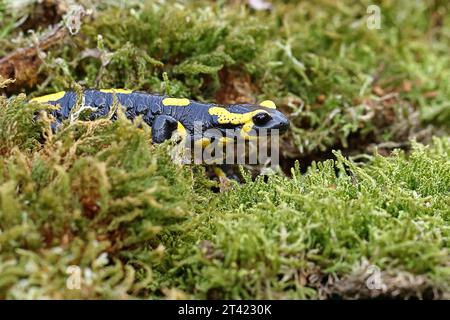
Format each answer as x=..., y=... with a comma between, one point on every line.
x=162, y=128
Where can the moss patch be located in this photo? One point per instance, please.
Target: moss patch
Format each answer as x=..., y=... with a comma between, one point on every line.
x=98, y=195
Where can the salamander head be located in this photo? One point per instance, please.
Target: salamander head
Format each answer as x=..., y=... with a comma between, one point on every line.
x=251, y=120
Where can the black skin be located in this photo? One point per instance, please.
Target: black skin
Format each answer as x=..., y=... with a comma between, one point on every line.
x=164, y=119
x=162, y=128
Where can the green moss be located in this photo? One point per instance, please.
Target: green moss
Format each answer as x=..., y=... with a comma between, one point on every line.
x=99, y=196
x=94, y=189
x=270, y=239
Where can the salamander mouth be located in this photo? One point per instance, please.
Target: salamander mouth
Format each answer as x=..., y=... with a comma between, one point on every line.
x=279, y=127
x=274, y=127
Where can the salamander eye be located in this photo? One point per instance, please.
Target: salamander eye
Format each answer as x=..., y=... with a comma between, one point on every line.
x=261, y=118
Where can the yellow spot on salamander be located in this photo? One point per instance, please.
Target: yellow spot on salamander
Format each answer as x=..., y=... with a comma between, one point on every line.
x=246, y=128
x=246, y=119
x=268, y=104
x=203, y=142
x=49, y=97
x=225, y=140
x=116, y=91
x=219, y=172
x=181, y=129
x=225, y=116
x=177, y=102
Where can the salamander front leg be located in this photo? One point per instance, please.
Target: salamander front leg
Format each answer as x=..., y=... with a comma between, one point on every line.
x=162, y=128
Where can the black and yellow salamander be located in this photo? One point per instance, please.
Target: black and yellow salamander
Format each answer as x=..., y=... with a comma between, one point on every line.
x=165, y=115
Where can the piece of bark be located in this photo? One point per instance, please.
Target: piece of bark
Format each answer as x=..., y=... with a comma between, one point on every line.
x=44, y=13
x=235, y=87
x=23, y=64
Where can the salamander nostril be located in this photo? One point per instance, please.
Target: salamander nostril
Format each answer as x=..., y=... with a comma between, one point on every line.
x=283, y=125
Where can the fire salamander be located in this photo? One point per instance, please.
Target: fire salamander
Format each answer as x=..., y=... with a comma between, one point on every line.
x=165, y=115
